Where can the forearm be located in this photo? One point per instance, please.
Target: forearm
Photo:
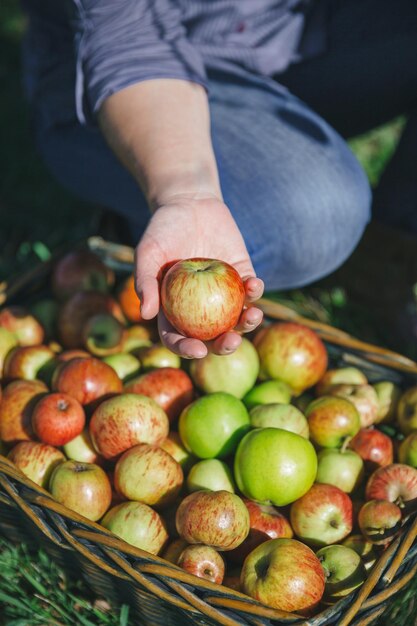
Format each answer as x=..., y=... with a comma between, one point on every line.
x=160, y=130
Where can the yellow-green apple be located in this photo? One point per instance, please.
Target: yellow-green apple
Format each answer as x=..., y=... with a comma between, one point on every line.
x=126, y=365
x=137, y=337
x=29, y=363
x=126, y=420
x=80, y=270
x=87, y=380
x=202, y=561
x=58, y=418
x=210, y=474
x=331, y=420
x=374, y=447
x=36, y=460
x=216, y=518
x=268, y=392
x=343, y=569
x=8, y=340
x=342, y=468
x=322, y=516
x=407, y=411
x=103, y=334
x=82, y=487
x=284, y=574
x=291, y=466
x=396, y=483
x=76, y=311
x=285, y=416
x=170, y=387
x=266, y=522
x=46, y=312
x=363, y=397
x=81, y=449
x=173, y=550
x=233, y=373
x=379, y=521
x=148, y=474
x=213, y=425
x=202, y=298
x=22, y=324
x=363, y=547
x=174, y=446
x=407, y=451
x=157, y=355
x=388, y=397
x=340, y=376
x=16, y=407
x=137, y=524
x=292, y=353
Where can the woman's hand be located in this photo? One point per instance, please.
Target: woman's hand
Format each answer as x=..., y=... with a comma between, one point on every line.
x=185, y=227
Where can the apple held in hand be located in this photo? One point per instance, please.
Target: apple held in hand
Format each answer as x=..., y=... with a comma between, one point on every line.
x=202, y=298
x=57, y=419
x=331, y=420
x=396, y=483
x=292, y=353
x=268, y=392
x=274, y=466
x=284, y=574
x=343, y=569
x=210, y=474
x=216, y=518
x=379, y=521
x=283, y=416
x=342, y=468
x=36, y=460
x=137, y=524
x=374, y=447
x=202, y=561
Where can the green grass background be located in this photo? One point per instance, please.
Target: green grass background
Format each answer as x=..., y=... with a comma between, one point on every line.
x=36, y=217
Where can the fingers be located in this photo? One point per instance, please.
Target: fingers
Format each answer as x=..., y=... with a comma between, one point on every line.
x=249, y=320
x=226, y=343
x=254, y=288
x=146, y=283
x=186, y=347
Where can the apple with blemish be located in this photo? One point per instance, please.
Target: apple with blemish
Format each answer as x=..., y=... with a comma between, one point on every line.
x=396, y=483
x=36, y=460
x=268, y=392
x=343, y=569
x=58, y=418
x=388, y=394
x=16, y=408
x=374, y=447
x=210, y=474
x=340, y=376
x=80, y=270
x=29, y=363
x=137, y=524
x=331, y=420
x=23, y=325
x=202, y=561
x=379, y=521
x=285, y=416
x=364, y=398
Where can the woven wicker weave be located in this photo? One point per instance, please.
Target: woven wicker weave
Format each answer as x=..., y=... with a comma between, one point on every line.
x=161, y=593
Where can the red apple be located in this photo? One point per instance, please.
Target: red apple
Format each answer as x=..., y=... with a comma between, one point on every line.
x=29, y=363
x=16, y=407
x=216, y=518
x=82, y=487
x=379, y=521
x=396, y=483
x=80, y=270
x=322, y=516
x=363, y=397
x=331, y=420
x=202, y=298
x=22, y=324
x=137, y=524
x=36, y=460
x=148, y=474
x=103, y=334
x=170, y=387
x=374, y=447
x=57, y=419
x=284, y=574
x=340, y=376
x=8, y=340
x=202, y=561
x=126, y=420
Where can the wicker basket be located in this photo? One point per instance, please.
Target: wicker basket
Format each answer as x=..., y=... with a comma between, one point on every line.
x=157, y=591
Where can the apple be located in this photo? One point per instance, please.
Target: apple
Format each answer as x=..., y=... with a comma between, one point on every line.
x=363, y=397
x=407, y=411
x=213, y=425
x=82, y=487
x=86, y=380
x=407, y=451
x=379, y=521
x=173, y=550
x=210, y=474
x=36, y=460
x=342, y=468
x=137, y=337
x=363, y=547
x=8, y=340
x=292, y=353
x=174, y=446
x=233, y=373
x=396, y=483
x=58, y=418
x=374, y=447
x=170, y=387
x=216, y=518
x=331, y=421
x=284, y=574
x=202, y=561
x=126, y=420
x=157, y=355
x=343, y=569
x=148, y=474
x=81, y=449
x=126, y=365
x=340, y=376
x=16, y=407
x=29, y=363
x=322, y=516
x=268, y=392
x=388, y=394
x=283, y=416
x=103, y=334
x=80, y=270
x=202, y=298
x=129, y=300
x=46, y=312
x=137, y=524
x=274, y=466
x=22, y=324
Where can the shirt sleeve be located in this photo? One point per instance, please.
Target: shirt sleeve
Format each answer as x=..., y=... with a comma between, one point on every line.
x=123, y=42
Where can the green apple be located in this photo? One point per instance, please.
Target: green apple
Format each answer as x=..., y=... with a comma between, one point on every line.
x=407, y=411
x=210, y=474
x=407, y=452
x=233, y=373
x=274, y=466
x=125, y=364
x=343, y=569
x=8, y=340
x=342, y=468
x=363, y=547
x=388, y=397
x=156, y=356
x=277, y=415
x=340, y=376
x=268, y=392
x=81, y=449
x=212, y=426
x=138, y=524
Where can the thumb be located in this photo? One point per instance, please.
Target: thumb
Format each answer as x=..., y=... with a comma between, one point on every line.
x=146, y=283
